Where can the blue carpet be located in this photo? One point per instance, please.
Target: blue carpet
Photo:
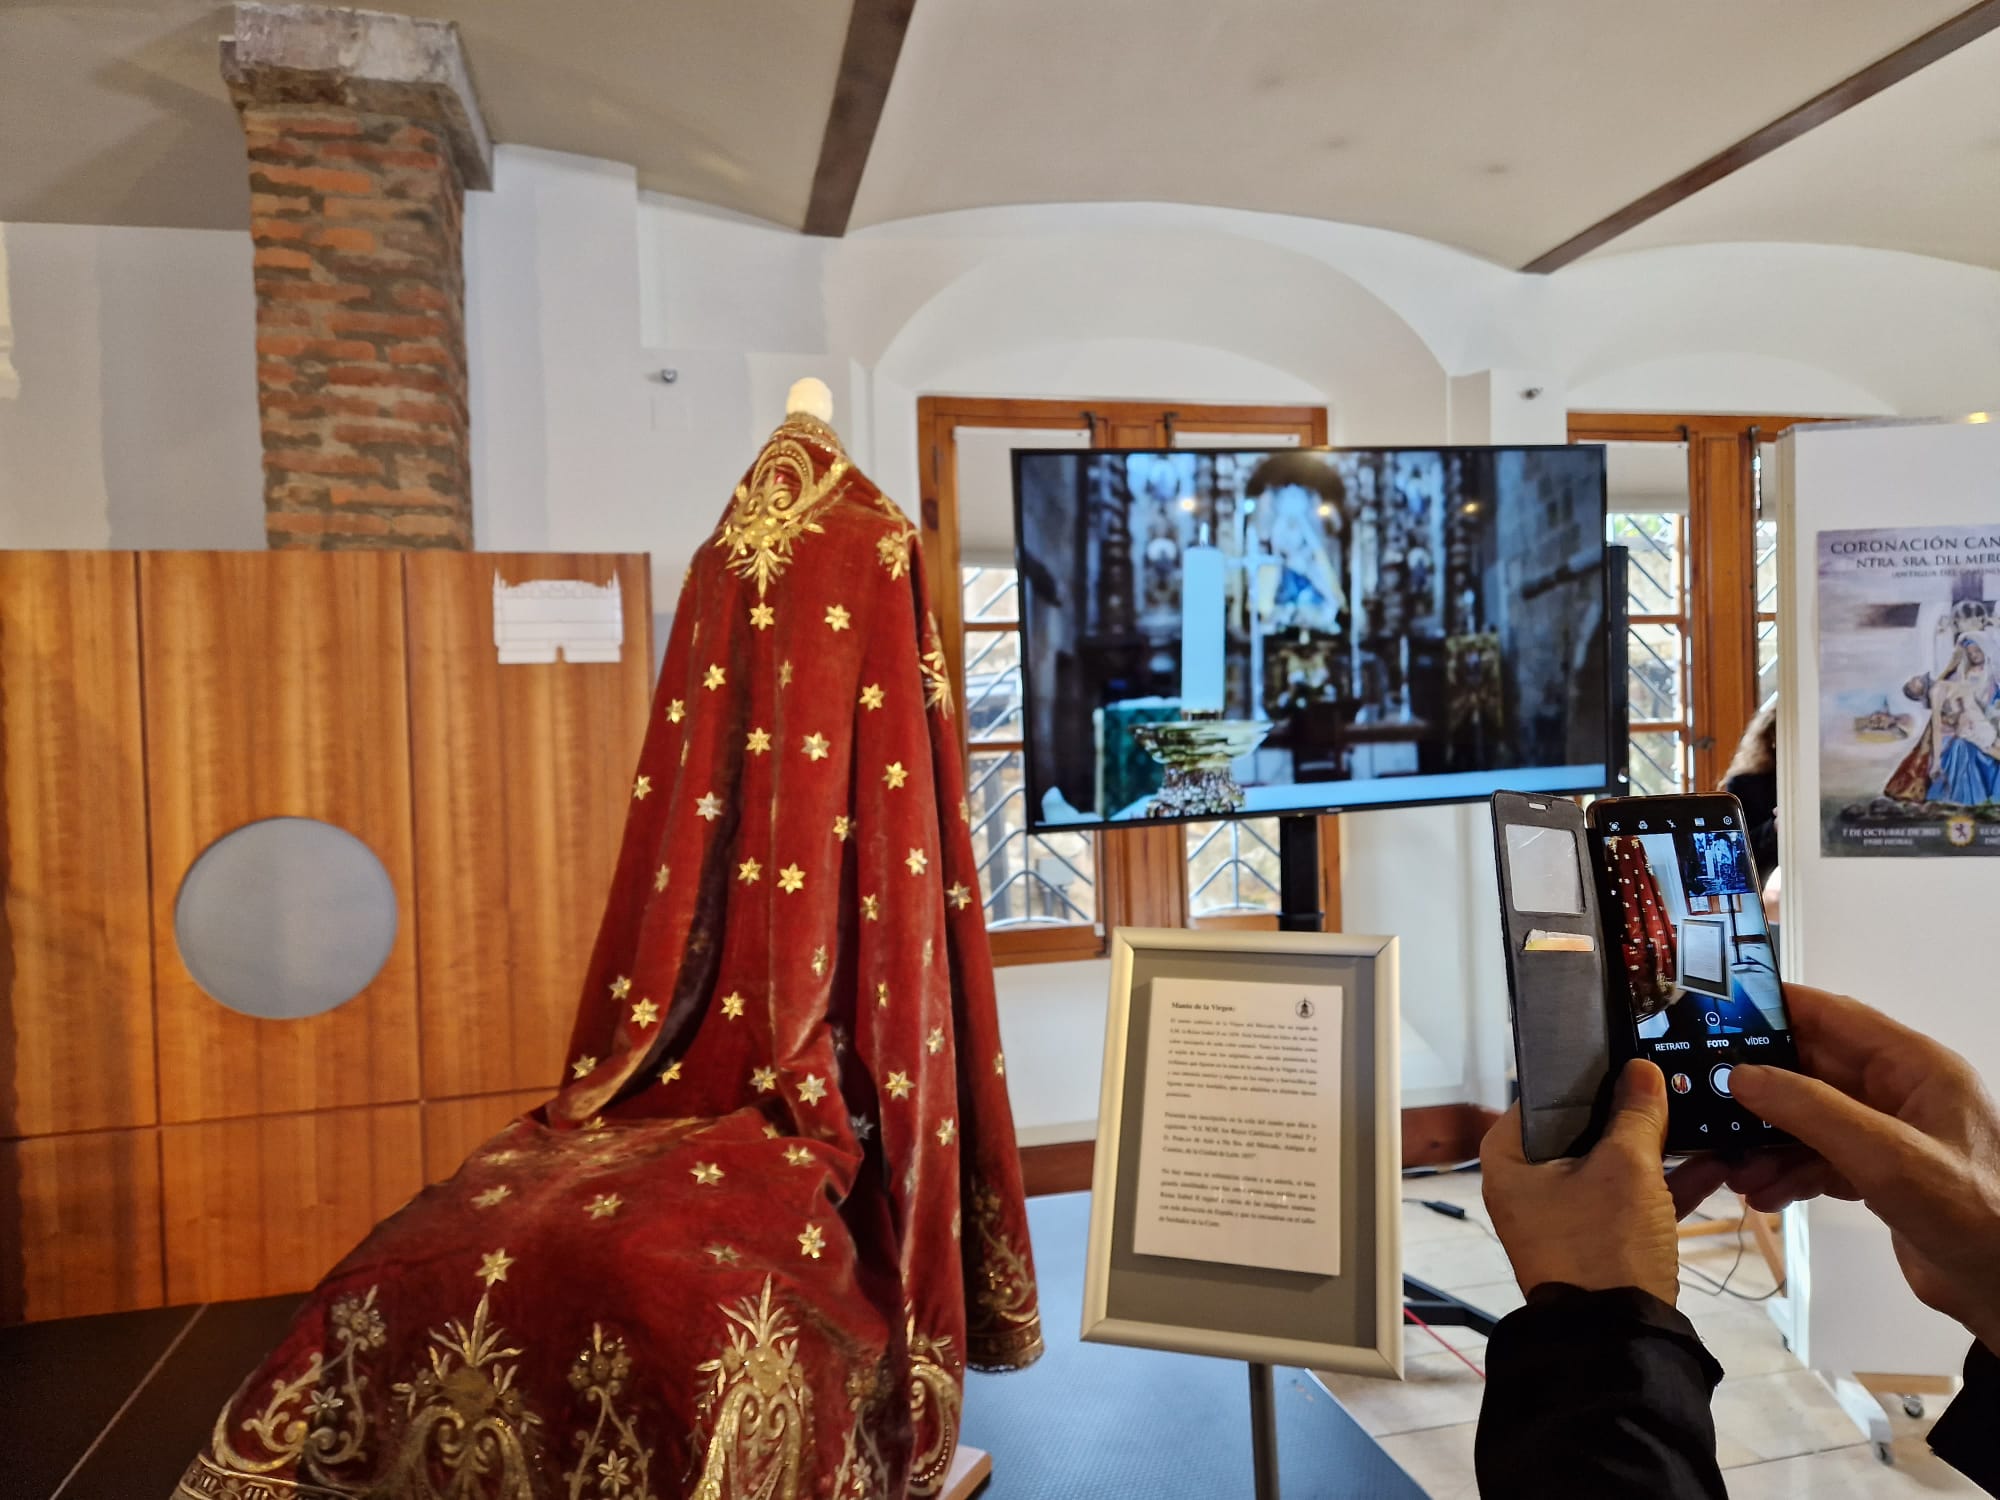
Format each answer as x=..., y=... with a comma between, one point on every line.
x=1138, y=1424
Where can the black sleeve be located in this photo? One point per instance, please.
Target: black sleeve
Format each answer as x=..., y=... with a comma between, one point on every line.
x=1965, y=1436
x=1597, y=1393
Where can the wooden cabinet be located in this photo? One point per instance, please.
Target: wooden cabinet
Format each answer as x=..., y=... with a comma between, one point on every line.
x=151, y=704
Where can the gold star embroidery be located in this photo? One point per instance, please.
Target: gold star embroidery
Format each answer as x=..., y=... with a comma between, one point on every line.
x=642, y=788
x=934, y=1043
x=764, y=1079
x=872, y=695
x=732, y=1005
x=676, y=711
x=761, y=615
x=758, y=742
x=964, y=811
x=999, y=1065
x=771, y=1132
x=583, y=1067
x=705, y=1173
x=936, y=674
x=836, y=618
x=621, y=987
x=749, y=872
x=495, y=1266
x=798, y=1156
x=784, y=674
x=895, y=775
x=723, y=1255
x=791, y=879
x=946, y=1131
x=815, y=747
x=604, y=1205
x=812, y=1088
x=960, y=897
x=819, y=961
x=502, y=1158
x=871, y=908
x=715, y=677
x=892, y=552
x=645, y=1013
x=709, y=807
x=660, y=878
x=842, y=827
x=918, y=861
x=812, y=1241
x=595, y=1122
x=491, y=1197
x=671, y=1073
x=899, y=1085
x=882, y=992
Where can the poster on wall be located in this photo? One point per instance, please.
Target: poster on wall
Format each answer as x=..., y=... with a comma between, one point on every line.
x=1909, y=673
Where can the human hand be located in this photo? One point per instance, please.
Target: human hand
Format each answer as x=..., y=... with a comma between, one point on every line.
x=1900, y=1122
x=1603, y=1220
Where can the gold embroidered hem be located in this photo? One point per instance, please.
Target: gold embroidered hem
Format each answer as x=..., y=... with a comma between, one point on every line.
x=207, y=1481
x=1013, y=1349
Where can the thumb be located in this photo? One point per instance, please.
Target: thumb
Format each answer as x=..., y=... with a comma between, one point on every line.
x=1880, y=1155
x=1639, y=1109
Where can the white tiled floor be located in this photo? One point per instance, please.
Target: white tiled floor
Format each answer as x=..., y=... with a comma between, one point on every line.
x=1780, y=1434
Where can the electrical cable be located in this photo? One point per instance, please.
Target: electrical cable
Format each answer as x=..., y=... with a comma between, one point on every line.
x=1470, y=1164
x=1458, y=1354
x=1721, y=1288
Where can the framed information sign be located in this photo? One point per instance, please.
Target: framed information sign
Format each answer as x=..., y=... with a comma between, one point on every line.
x=1248, y=1181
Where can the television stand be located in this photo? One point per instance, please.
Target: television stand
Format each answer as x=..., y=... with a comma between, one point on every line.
x=1299, y=910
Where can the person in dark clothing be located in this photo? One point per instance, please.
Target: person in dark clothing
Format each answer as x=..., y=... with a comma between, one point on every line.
x=1599, y=1386
x=1752, y=779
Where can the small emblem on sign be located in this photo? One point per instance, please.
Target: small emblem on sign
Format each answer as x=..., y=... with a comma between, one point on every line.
x=545, y=617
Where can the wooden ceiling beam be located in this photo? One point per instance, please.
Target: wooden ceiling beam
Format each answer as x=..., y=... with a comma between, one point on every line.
x=1913, y=57
x=875, y=32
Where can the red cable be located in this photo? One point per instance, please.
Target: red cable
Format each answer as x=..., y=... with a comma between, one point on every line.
x=1458, y=1355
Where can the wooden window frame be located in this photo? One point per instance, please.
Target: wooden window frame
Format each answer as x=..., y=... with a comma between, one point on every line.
x=1720, y=646
x=1141, y=872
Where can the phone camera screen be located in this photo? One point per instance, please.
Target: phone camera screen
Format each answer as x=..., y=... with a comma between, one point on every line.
x=1697, y=967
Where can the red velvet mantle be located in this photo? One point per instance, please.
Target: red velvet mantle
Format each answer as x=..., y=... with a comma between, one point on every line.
x=752, y=1245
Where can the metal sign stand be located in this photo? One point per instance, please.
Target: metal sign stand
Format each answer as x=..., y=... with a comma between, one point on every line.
x=1299, y=911
x=1264, y=1430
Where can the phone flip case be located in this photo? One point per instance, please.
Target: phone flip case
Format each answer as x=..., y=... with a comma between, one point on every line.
x=1557, y=983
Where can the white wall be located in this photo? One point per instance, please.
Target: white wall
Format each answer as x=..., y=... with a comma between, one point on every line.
x=563, y=456
x=136, y=421
x=1852, y=925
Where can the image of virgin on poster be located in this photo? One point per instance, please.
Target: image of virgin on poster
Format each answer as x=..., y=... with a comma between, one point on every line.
x=1909, y=691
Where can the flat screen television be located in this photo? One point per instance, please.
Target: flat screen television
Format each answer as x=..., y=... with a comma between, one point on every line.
x=1717, y=864
x=1246, y=632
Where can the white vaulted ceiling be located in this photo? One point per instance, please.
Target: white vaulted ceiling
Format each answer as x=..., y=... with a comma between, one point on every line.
x=1916, y=168
x=1498, y=128
x=115, y=113
x=1501, y=129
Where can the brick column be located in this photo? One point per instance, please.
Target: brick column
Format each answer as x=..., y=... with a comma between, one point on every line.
x=363, y=135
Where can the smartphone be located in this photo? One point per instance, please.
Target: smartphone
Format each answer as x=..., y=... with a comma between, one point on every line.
x=1692, y=973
